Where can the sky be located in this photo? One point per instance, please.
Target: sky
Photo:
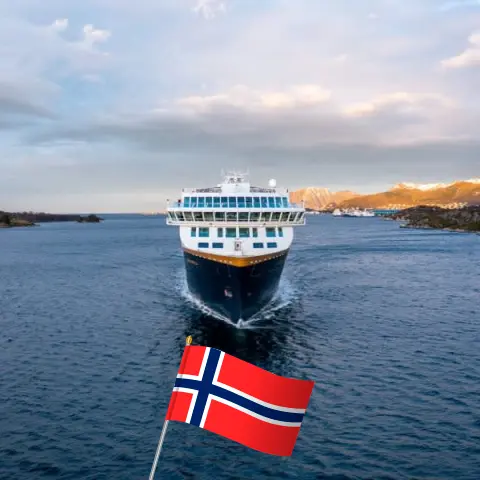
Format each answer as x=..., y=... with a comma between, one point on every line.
x=116, y=105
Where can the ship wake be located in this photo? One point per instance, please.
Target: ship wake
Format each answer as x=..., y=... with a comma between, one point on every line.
x=282, y=299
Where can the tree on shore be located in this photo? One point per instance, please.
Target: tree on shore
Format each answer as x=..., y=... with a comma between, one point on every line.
x=5, y=218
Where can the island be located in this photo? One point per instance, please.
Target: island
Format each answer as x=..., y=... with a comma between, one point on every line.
x=89, y=219
x=8, y=220
x=30, y=219
x=465, y=219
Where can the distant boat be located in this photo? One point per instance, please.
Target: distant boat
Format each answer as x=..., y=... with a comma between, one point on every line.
x=352, y=212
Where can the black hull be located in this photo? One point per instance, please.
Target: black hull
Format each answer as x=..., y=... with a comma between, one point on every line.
x=236, y=292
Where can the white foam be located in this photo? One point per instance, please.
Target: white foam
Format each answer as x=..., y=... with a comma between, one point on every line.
x=282, y=298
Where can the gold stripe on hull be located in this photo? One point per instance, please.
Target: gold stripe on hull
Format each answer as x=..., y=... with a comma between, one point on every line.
x=236, y=261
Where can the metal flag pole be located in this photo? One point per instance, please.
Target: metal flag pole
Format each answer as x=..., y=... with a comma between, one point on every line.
x=164, y=432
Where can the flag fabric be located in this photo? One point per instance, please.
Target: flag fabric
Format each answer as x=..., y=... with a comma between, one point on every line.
x=238, y=400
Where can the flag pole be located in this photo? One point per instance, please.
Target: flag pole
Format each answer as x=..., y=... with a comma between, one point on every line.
x=188, y=341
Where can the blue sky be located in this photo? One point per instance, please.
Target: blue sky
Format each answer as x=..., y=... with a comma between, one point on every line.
x=114, y=105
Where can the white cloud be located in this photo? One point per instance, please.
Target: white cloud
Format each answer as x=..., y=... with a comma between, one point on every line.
x=93, y=35
x=454, y=5
x=209, y=8
x=60, y=24
x=341, y=58
x=469, y=58
x=244, y=97
x=399, y=101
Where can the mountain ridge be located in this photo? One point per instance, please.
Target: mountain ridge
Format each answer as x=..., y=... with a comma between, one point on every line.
x=400, y=196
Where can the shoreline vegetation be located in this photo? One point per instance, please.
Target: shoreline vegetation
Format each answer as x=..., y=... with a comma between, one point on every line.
x=465, y=219
x=31, y=219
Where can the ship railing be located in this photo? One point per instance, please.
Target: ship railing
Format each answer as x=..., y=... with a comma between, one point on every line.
x=255, y=219
x=210, y=207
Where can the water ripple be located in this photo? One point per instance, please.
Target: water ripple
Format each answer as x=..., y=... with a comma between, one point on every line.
x=93, y=320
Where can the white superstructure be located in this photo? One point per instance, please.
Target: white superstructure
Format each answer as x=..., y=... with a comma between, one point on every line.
x=235, y=219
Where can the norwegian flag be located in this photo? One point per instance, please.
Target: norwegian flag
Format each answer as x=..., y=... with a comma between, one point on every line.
x=240, y=401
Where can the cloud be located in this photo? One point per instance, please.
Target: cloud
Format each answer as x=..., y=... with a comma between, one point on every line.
x=296, y=118
x=469, y=58
x=454, y=5
x=341, y=58
x=373, y=16
x=399, y=102
x=243, y=97
x=209, y=8
x=93, y=35
x=60, y=25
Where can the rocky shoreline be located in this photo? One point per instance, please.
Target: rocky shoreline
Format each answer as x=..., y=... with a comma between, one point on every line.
x=30, y=219
x=465, y=219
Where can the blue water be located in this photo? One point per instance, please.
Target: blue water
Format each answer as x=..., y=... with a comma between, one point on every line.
x=93, y=320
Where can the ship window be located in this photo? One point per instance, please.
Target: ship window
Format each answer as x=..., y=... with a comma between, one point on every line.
x=241, y=202
x=193, y=232
x=270, y=232
x=203, y=232
x=220, y=232
x=217, y=245
x=180, y=216
x=209, y=202
x=255, y=232
x=186, y=201
x=201, y=202
x=280, y=231
x=276, y=216
x=264, y=202
x=232, y=202
x=292, y=216
x=231, y=216
x=278, y=202
x=258, y=245
x=193, y=202
x=219, y=216
x=243, y=217
x=249, y=201
x=272, y=245
x=188, y=216
x=244, y=232
x=265, y=216
x=285, y=202
x=256, y=202
x=208, y=216
x=216, y=202
x=285, y=217
x=203, y=245
x=198, y=216
x=231, y=232
x=224, y=202
x=254, y=216
x=271, y=202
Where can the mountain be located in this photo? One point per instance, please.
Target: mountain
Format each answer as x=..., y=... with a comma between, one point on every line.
x=406, y=195
x=319, y=198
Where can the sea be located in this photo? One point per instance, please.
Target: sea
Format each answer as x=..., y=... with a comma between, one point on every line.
x=385, y=320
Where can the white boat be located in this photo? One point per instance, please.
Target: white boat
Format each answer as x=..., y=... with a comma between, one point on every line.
x=352, y=212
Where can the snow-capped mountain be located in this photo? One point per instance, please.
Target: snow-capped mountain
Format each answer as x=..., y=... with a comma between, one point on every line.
x=402, y=195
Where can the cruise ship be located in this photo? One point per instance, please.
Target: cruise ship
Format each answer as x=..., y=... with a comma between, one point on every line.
x=235, y=239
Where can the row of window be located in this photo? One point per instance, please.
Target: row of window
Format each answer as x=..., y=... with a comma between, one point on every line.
x=263, y=217
x=233, y=232
x=235, y=202
x=220, y=245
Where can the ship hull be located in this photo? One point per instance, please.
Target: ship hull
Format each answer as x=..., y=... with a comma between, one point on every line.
x=236, y=291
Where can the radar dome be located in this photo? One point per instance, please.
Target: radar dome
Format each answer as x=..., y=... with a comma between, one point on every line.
x=272, y=183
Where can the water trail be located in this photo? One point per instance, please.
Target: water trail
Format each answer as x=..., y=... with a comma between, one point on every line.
x=284, y=297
